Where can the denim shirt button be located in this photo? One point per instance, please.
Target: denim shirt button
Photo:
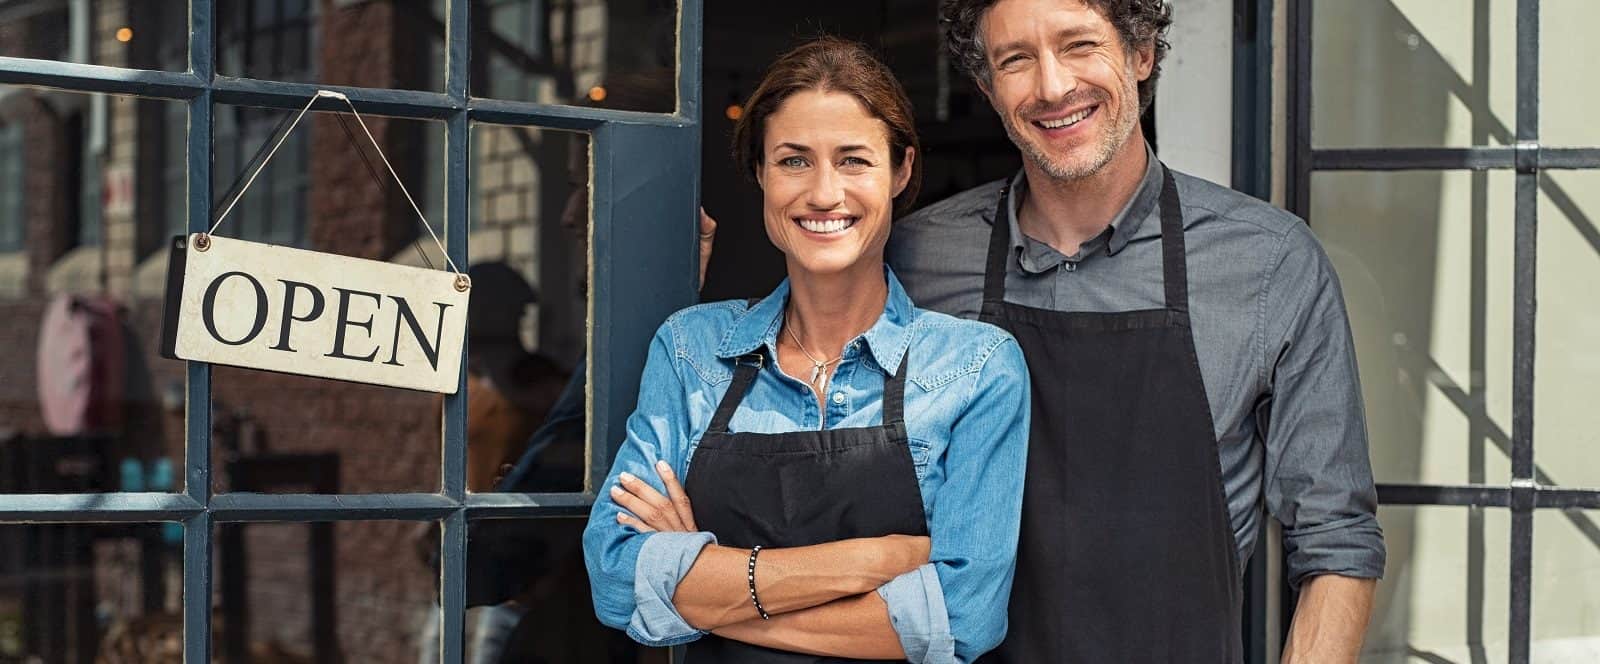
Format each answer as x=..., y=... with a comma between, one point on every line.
x=838, y=398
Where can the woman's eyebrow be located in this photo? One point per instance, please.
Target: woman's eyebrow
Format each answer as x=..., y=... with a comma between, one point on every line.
x=795, y=146
x=854, y=148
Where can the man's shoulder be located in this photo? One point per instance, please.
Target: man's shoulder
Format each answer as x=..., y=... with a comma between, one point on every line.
x=1213, y=201
x=973, y=206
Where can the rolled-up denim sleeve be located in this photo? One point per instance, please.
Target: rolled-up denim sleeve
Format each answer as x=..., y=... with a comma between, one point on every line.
x=954, y=608
x=633, y=575
x=1318, y=480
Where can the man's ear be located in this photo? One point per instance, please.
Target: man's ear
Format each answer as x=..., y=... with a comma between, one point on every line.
x=1145, y=60
x=902, y=176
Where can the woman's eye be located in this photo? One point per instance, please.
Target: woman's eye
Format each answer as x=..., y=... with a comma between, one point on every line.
x=855, y=162
x=792, y=162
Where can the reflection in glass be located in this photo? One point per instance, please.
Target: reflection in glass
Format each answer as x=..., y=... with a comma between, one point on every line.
x=324, y=593
x=1566, y=586
x=1567, y=361
x=374, y=43
x=1444, y=596
x=619, y=53
x=89, y=188
x=1413, y=73
x=1425, y=260
x=141, y=34
x=110, y=593
x=526, y=326
x=528, y=598
x=327, y=190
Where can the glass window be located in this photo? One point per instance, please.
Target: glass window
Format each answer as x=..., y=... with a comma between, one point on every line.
x=1444, y=595
x=374, y=43
x=621, y=53
x=1425, y=261
x=327, y=190
x=1422, y=73
x=1566, y=359
x=139, y=34
x=348, y=591
x=1567, y=53
x=91, y=592
x=87, y=402
x=1566, y=586
x=527, y=321
x=13, y=222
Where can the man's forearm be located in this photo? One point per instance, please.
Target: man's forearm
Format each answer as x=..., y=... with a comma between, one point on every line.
x=1330, y=620
x=854, y=627
x=716, y=591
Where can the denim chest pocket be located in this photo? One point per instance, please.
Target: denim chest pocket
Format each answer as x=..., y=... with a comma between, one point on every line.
x=920, y=450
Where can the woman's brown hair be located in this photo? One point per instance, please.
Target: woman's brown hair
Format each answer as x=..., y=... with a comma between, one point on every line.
x=831, y=64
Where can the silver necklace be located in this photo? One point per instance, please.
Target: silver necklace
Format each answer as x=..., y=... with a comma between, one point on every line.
x=819, y=373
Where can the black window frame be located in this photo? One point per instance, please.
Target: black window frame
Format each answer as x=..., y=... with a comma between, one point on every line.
x=1529, y=488
x=644, y=174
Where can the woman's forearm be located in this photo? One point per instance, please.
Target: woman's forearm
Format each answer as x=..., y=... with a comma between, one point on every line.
x=716, y=591
x=856, y=627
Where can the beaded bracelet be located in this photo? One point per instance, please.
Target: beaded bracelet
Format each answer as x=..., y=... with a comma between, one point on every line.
x=752, y=576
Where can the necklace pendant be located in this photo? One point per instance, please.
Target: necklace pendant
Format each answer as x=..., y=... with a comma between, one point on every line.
x=816, y=375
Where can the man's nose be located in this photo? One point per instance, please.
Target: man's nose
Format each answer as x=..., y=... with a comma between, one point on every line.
x=1053, y=80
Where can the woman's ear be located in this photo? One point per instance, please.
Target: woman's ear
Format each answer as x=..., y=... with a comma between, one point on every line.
x=902, y=175
x=761, y=172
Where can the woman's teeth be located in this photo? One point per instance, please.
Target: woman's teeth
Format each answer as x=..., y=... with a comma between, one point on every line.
x=826, y=225
x=1068, y=121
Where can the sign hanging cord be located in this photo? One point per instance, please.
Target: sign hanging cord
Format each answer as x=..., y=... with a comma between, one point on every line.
x=329, y=94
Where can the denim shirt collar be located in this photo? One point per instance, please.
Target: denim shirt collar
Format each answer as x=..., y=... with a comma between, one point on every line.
x=1037, y=257
x=887, y=339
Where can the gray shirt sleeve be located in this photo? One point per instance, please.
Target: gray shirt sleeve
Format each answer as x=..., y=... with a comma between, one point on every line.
x=1318, y=474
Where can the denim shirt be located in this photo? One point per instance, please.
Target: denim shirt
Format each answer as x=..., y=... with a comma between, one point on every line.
x=966, y=410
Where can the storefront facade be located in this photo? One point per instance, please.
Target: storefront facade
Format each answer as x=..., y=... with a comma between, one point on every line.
x=155, y=510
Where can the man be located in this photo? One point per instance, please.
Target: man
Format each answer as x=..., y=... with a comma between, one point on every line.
x=1189, y=348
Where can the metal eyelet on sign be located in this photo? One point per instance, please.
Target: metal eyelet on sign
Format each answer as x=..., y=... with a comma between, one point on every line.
x=463, y=282
x=202, y=242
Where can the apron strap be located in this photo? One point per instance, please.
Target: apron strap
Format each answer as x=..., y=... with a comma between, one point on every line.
x=894, y=394
x=744, y=375
x=1174, y=266
x=994, y=271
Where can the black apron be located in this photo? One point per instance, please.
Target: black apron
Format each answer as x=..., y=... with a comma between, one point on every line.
x=798, y=489
x=1127, y=553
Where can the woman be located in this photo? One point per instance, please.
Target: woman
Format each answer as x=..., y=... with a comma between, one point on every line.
x=855, y=464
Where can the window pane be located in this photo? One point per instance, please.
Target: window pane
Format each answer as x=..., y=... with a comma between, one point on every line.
x=91, y=592
x=1566, y=359
x=526, y=327
x=375, y=44
x=1567, y=54
x=528, y=598
x=613, y=53
x=1423, y=73
x=141, y=34
x=1444, y=595
x=1425, y=260
x=326, y=191
x=1566, y=586
x=89, y=187
x=324, y=593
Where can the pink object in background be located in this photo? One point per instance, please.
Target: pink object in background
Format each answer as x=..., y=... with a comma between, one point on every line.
x=81, y=365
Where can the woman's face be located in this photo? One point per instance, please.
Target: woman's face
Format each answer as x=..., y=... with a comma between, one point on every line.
x=828, y=182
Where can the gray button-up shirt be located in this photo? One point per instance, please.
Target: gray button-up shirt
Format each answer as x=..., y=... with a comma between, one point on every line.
x=1269, y=327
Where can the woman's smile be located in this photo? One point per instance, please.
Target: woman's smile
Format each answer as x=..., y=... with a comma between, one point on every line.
x=826, y=225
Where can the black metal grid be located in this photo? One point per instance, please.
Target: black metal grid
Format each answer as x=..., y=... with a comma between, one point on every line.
x=1528, y=489
x=644, y=168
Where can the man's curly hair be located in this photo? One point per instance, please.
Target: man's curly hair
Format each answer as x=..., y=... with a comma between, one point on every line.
x=1138, y=22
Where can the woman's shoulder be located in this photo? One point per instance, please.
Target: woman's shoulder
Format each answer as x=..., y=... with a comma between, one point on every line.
x=695, y=333
x=948, y=347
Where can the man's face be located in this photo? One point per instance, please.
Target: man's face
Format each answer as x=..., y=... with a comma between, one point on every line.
x=1063, y=82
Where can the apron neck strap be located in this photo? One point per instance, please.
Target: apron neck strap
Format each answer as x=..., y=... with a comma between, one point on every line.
x=1174, y=269
x=747, y=367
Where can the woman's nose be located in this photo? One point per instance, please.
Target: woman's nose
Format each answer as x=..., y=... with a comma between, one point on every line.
x=827, y=189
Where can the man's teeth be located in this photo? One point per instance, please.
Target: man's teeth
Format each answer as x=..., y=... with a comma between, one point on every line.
x=1068, y=121
x=826, y=225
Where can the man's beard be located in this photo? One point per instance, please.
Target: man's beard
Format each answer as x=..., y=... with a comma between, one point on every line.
x=1106, y=144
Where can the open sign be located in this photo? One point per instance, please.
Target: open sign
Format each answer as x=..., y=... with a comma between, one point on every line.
x=263, y=306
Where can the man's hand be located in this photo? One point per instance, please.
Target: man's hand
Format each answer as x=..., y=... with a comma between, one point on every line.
x=1330, y=620
x=708, y=236
x=647, y=510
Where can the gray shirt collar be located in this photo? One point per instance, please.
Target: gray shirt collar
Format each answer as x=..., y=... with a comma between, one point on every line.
x=1037, y=257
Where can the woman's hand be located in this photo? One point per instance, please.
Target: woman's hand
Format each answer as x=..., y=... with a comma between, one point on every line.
x=647, y=510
